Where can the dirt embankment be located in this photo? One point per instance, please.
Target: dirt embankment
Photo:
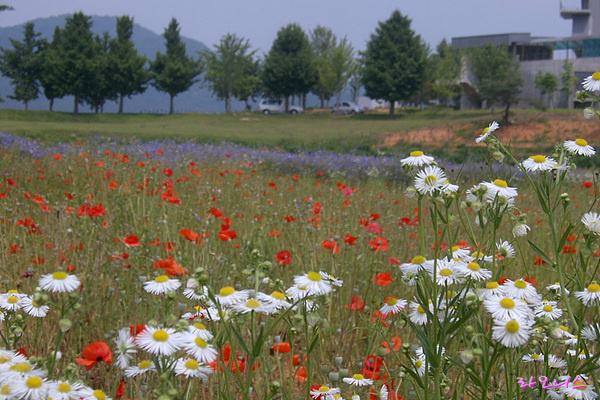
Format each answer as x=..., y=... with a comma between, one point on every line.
x=529, y=131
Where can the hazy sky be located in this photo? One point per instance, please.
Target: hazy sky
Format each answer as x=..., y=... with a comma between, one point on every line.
x=259, y=20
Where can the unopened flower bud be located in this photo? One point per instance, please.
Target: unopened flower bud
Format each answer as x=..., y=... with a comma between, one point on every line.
x=334, y=376
x=64, y=325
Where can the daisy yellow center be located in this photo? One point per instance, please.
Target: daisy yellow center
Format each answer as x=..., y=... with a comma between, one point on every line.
x=64, y=387
x=23, y=367
x=4, y=359
x=548, y=308
x=520, y=284
x=535, y=356
x=35, y=304
x=323, y=389
x=579, y=385
x=581, y=142
x=12, y=300
x=596, y=76
x=200, y=342
x=314, y=276
x=594, y=287
x=455, y=248
x=430, y=180
x=160, y=335
x=34, y=382
x=418, y=260
x=5, y=390
x=145, y=364
x=473, y=266
x=59, y=275
x=252, y=303
x=392, y=301
x=477, y=254
x=192, y=364
x=421, y=310
x=485, y=130
x=13, y=291
x=226, y=291
x=507, y=303
x=416, y=153
x=512, y=326
x=358, y=377
x=500, y=183
x=492, y=285
x=278, y=295
x=564, y=328
x=99, y=394
x=161, y=279
x=199, y=326
x=538, y=159
x=418, y=363
x=446, y=272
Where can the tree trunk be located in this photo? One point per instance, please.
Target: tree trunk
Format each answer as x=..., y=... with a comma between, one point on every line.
x=51, y=105
x=76, y=105
x=171, y=104
x=26, y=105
x=322, y=99
x=286, y=103
x=121, y=104
x=304, y=100
x=506, y=110
x=228, y=103
x=392, y=107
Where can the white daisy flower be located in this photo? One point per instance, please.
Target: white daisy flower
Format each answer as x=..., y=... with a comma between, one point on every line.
x=590, y=294
x=8, y=358
x=63, y=390
x=507, y=308
x=332, y=279
x=297, y=292
x=591, y=332
x=491, y=289
x=592, y=82
x=254, y=305
x=523, y=290
x=417, y=159
x=199, y=349
x=191, y=368
x=499, y=188
x=474, y=271
x=579, y=390
x=539, y=163
x=125, y=348
x=140, y=369
x=418, y=314
x=393, y=305
x=195, y=292
x=419, y=364
x=449, y=187
x=159, y=341
x=512, y=333
x=33, y=308
x=572, y=341
x=430, y=180
x=520, y=230
x=277, y=299
x=446, y=272
x=91, y=394
x=548, y=309
x=199, y=330
x=59, y=282
x=557, y=288
x=314, y=283
x=325, y=393
x=11, y=301
x=162, y=284
x=358, y=380
x=478, y=256
x=228, y=296
x=31, y=388
x=591, y=220
x=505, y=249
x=418, y=263
x=580, y=147
x=580, y=354
x=486, y=132
x=533, y=357
x=213, y=314
x=556, y=362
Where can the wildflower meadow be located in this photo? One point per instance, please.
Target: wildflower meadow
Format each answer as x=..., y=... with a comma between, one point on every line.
x=166, y=270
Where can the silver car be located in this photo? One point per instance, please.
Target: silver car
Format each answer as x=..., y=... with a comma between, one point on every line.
x=277, y=106
x=346, y=107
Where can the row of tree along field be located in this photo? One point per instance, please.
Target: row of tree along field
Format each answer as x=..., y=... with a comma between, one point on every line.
x=396, y=66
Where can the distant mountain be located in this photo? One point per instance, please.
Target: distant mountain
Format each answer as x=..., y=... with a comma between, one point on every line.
x=147, y=43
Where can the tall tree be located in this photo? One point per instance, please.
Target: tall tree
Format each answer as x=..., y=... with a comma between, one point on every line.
x=230, y=70
x=100, y=88
x=289, y=67
x=394, y=61
x=446, y=67
x=51, y=75
x=569, y=82
x=548, y=84
x=23, y=65
x=127, y=73
x=174, y=72
x=496, y=75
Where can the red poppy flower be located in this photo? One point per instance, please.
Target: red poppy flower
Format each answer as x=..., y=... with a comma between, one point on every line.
x=569, y=249
x=167, y=172
x=120, y=390
x=372, y=367
x=135, y=330
x=350, y=240
x=383, y=279
x=227, y=235
x=132, y=241
x=289, y=218
x=394, y=261
x=301, y=374
x=356, y=305
x=284, y=257
x=94, y=353
x=283, y=347
x=379, y=244
x=587, y=184
x=502, y=280
x=189, y=235
x=274, y=233
x=170, y=266
x=531, y=280
x=395, y=345
x=373, y=228
x=539, y=261
x=331, y=244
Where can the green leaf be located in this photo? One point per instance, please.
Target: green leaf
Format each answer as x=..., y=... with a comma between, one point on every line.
x=541, y=253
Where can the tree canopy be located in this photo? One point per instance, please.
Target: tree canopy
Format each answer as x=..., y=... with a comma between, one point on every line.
x=393, y=64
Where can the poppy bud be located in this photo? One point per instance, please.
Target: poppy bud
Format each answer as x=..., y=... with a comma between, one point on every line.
x=64, y=325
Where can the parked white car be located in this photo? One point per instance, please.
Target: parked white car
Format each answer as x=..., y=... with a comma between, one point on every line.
x=277, y=106
x=347, y=107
